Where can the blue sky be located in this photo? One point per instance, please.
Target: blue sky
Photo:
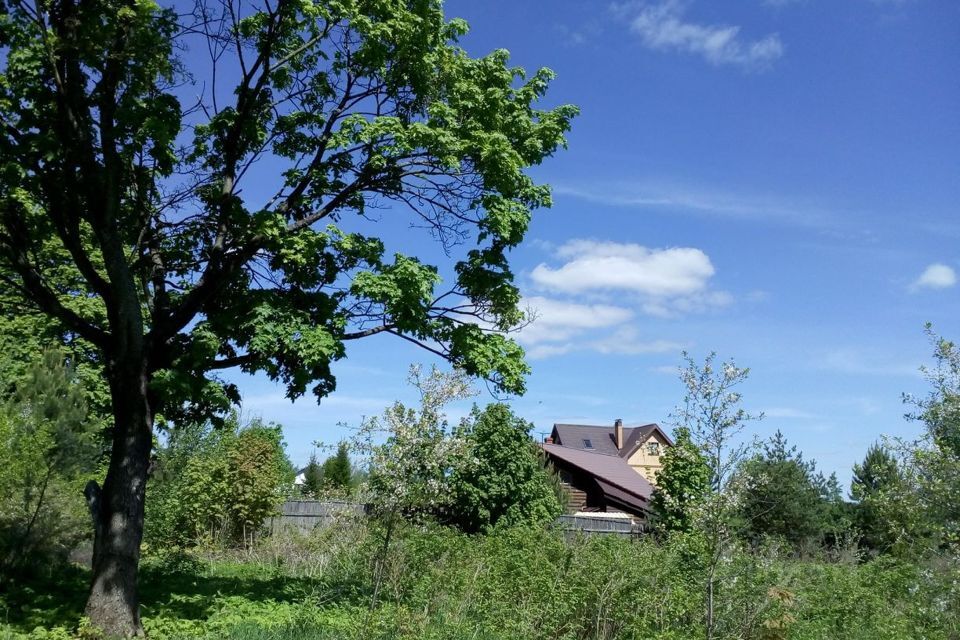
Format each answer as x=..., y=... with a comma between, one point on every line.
x=776, y=181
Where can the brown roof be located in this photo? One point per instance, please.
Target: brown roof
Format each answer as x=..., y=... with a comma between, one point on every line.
x=602, y=437
x=612, y=473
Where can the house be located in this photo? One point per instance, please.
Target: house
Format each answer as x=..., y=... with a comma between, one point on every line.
x=607, y=468
x=640, y=446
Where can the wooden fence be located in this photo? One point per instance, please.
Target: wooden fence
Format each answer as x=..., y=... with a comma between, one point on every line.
x=573, y=525
x=306, y=515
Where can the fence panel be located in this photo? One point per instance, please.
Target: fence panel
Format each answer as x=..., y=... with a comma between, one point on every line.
x=306, y=515
x=572, y=525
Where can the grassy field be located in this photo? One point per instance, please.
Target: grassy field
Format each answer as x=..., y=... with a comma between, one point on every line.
x=514, y=584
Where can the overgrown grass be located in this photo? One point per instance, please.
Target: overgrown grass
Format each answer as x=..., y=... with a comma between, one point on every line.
x=518, y=584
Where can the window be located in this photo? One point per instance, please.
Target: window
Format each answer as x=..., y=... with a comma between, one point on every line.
x=653, y=448
x=587, y=444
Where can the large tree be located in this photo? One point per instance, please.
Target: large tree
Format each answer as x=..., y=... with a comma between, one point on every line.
x=184, y=189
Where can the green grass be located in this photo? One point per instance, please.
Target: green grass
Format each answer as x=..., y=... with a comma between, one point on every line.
x=512, y=585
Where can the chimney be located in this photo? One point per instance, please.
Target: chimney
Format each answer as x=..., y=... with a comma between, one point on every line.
x=618, y=433
x=548, y=440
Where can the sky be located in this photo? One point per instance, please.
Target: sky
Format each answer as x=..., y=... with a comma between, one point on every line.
x=777, y=181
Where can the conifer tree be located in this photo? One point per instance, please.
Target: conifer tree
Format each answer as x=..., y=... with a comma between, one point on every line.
x=337, y=469
x=313, y=477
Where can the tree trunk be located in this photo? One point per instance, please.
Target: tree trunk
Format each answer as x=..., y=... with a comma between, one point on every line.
x=117, y=509
x=709, y=614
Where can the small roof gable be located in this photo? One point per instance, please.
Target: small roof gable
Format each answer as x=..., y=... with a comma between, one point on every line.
x=639, y=436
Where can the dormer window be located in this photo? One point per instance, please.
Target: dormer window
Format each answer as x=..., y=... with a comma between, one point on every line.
x=653, y=448
x=587, y=444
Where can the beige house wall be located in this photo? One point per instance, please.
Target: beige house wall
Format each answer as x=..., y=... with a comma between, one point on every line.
x=644, y=463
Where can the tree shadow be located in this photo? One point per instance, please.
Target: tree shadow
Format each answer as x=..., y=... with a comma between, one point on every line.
x=196, y=592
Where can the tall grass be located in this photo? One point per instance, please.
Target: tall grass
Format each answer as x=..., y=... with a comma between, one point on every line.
x=516, y=584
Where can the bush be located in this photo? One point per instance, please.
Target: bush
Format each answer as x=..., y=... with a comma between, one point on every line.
x=216, y=486
x=504, y=481
x=48, y=450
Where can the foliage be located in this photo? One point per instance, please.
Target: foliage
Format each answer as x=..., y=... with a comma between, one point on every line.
x=49, y=449
x=939, y=410
x=515, y=584
x=711, y=411
x=875, y=477
x=681, y=483
x=125, y=213
x=351, y=107
x=782, y=495
x=312, y=478
x=259, y=476
x=920, y=507
x=503, y=482
x=409, y=471
x=931, y=467
x=337, y=472
x=217, y=484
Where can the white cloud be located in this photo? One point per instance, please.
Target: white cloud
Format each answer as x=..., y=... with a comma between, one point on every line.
x=587, y=300
x=624, y=342
x=788, y=413
x=666, y=282
x=544, y=351
x=848, y=360
x=556, y=320
x=667, y=369
x=274, y=402
x=613, y=266
x=627, y=342
x=561, y=327
x=936, y=276
x=657, y=195
x=663, y=27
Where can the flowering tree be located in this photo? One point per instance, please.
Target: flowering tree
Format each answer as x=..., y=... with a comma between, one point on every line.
x=409, y=468
x=712, y=412
x=924, y=506
x=412, y=452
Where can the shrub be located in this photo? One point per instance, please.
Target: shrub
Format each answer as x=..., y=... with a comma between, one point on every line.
x=217, y=485
x=48, y=450
x=504, y=481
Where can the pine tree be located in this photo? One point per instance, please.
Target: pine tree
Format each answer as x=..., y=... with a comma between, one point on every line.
x=877, y=473
x=780, y=495
x=49, y=443
x=337, y=470
x=312, y=478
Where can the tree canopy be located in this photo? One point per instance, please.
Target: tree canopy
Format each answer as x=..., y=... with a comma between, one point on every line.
x=682, y=482
x=337, y=470
x=503, y=480
x=783, y=496
x=188, y=190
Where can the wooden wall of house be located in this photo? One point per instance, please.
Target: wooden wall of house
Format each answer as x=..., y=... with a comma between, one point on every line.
x=576, y=497
x=583, y=494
